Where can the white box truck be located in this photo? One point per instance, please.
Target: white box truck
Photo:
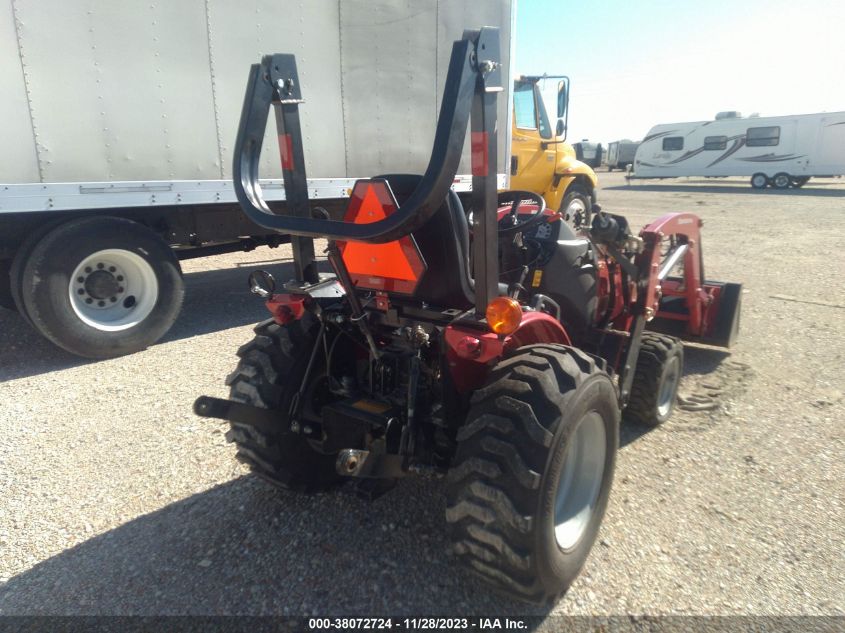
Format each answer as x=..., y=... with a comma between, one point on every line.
x=778, y=151
x=118, y=119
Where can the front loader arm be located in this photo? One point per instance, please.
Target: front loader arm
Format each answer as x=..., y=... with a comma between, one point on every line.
x=685, y=228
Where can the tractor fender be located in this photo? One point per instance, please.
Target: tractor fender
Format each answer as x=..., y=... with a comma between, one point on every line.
x=536, y=327
x=472, y=353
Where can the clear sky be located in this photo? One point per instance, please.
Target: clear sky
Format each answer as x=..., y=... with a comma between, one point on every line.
x=637, y=63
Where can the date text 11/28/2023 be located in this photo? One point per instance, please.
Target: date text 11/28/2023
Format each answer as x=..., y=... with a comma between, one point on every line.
x=417, y=624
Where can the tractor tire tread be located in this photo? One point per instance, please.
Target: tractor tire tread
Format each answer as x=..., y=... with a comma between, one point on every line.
x=493, y=487
x=655, y=350
x=265, y=377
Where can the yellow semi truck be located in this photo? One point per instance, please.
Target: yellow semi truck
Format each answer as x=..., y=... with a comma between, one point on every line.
x=541, y=159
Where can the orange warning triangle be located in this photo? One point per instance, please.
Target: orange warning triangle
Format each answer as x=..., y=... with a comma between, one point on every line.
x=390, y=261
x=370, y=209
x=383, y=260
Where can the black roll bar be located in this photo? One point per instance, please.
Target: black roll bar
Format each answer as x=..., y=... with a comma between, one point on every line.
x=474, y=69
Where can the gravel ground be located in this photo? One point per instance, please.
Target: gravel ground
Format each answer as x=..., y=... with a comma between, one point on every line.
x=116, y=499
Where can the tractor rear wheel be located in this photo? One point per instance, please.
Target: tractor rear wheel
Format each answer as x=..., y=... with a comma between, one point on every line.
x=269, y=374
x=656, y=379
x=532, y=474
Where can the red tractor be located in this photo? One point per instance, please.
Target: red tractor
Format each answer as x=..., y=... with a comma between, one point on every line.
x=487, y=340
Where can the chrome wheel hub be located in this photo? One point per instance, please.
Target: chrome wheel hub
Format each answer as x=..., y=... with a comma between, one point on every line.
x=580, y=480
x=113, y=290
x=666, y=395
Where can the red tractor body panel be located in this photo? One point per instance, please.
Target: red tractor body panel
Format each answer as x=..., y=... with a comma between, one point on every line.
x=471, y=353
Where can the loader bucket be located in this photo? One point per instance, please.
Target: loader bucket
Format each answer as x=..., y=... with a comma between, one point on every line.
x=721, y=316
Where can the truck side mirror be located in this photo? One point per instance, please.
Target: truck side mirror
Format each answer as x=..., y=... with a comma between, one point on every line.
x=562, y=98
x=562, y=107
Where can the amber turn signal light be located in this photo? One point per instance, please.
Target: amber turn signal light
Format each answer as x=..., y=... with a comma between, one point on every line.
x=504, y=315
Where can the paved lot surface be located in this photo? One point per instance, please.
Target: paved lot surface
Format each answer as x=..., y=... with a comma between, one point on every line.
x=116, y=499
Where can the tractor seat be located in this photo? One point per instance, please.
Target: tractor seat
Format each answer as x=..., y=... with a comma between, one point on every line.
x=444, y=244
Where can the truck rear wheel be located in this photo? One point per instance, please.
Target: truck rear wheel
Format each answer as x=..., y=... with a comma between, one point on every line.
x=17, y=265
x=533, y=470
x=656, y=379
x=269, y=374
x=102, y=287
x=6, y=299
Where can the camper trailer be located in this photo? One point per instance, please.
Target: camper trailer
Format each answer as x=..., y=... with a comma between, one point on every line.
x=620, y=154
x=779, y=152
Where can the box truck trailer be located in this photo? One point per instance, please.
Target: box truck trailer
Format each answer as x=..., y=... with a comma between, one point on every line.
x=778, y=151
x=118, y=121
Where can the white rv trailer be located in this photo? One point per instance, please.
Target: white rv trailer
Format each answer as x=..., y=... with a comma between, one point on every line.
x=117, y=122
x=779, y=151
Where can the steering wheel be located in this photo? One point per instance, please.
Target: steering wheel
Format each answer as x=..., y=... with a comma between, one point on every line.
x=509, y=222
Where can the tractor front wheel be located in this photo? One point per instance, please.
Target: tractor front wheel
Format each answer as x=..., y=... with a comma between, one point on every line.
x=656, y=379
x=270, y=372
x=531, y=478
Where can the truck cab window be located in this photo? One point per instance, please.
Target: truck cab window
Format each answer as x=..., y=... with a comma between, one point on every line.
x=545, y=128
x=762, y=136
x=524, y=106
x=673, y=143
